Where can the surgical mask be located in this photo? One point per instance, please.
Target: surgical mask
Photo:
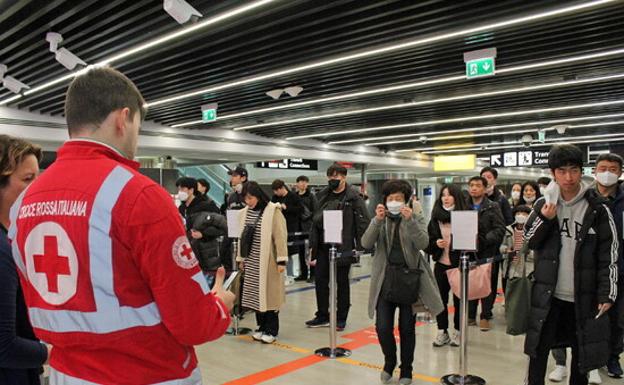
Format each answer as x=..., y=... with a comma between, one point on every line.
x=521, y=219
x=183, y=196
x=529, y=199
x=238, y=188
x=395, y=207
x=542, y=190
x=607, y=178
x=515, y=195
x=449, y=208
x=333, y=184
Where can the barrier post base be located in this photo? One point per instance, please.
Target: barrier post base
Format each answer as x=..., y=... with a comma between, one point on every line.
x=456, y=379
x=333, y=353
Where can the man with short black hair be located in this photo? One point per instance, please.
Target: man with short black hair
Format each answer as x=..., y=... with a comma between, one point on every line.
x=292, y=208
x=495, y=195
x=238, y=176
x=491, y=234
x=338, y=195
x=310, y=204
x=608, y=184
x=122, y=299
x=573, y=235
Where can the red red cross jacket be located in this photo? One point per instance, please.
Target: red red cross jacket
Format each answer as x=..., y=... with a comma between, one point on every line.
x=109, y=276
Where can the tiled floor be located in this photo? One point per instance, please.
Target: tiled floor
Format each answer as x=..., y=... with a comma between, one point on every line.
x=238, y=360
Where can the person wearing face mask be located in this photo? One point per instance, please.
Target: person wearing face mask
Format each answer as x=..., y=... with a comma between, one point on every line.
x=108, y=274
x=609, y=185
x=21, y=355
x=338, y=195
x=238, y=177
x=398, y=235
x=516, y=194
x=530, y=194
x=514, y=246
x=439, y=229
x=542, y=183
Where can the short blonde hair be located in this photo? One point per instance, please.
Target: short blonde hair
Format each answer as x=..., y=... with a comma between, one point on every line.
x=12, y=153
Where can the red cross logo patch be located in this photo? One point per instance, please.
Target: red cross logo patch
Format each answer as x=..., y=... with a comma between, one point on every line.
x=183, y=254
x=51, y=263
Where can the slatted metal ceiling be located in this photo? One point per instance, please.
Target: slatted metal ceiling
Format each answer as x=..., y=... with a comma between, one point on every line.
x=295, y=32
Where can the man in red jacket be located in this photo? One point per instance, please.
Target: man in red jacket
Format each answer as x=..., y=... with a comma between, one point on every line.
x=109, y=276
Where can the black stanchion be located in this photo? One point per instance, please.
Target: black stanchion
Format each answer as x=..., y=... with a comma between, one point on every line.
x=235, y=330
x=332, y=351
x=463, y=378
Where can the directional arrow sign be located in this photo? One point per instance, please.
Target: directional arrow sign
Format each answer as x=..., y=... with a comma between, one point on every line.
x=496, y=160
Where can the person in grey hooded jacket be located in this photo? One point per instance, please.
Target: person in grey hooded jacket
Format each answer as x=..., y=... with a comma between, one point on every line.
x=399, y=234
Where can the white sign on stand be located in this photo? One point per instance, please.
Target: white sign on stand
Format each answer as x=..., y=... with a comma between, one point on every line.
x=332, y=223
x=465, y=230
x=233, y=223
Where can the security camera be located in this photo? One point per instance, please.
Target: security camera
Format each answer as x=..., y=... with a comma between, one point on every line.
x=526, y=140
x=13, y=84
x=561, y=128
x=293, y=91
x=423, y=139
x=68, y=59
x=181, y=11
x=54, y=39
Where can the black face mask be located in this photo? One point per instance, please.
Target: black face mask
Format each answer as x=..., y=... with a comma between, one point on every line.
x=333, y=184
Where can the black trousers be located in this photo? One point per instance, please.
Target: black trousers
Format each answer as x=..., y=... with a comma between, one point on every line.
x=322, y=289
x=487, y=303
x=303, y=266
x=616, y=344
x=384, y=324
x=268, y=322
x=439, y=270
x=560, y=325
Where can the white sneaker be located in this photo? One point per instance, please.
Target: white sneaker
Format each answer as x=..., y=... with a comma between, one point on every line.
x=558, y=374
x=257, y=336
x=268, y=339
x=455, y=340
x=441, y=339
x=594, y=377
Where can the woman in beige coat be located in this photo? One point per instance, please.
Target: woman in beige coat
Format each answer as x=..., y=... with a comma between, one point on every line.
x=263, y=257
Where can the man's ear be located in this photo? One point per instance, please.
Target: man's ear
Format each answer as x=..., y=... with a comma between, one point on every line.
x=121, y=120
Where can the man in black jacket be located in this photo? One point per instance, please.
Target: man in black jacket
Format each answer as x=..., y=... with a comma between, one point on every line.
x=337, y=196
x=575, y=279
x=292, y=208
x=491, y=234
x=238, y=177
x=310, y=204
x=495, y=195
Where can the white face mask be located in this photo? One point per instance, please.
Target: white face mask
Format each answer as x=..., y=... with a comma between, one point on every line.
x=183, y=196
x=521, y=219
x=607, y=178
x=542, y=190
x=395, y=207
x=449, y=208
x=529, y=199
x=515, y=195
x=238, y=188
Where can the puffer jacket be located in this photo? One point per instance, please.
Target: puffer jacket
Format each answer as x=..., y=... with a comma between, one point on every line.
x=595, y=277
x=208, y=249
x=414, y=238
x=491, y=229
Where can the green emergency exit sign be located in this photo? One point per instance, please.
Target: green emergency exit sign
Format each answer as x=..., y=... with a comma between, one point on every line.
x=209, y=115
x=480, y=67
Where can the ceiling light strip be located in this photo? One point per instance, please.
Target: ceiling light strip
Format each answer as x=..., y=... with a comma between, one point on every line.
x=451, y=137
x=147, y=45
x=406, y=86
x=436, y=101
x=466, y=118
x=387, y=49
